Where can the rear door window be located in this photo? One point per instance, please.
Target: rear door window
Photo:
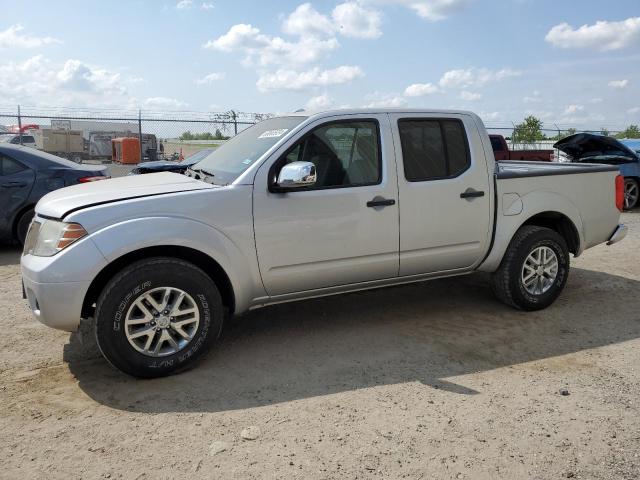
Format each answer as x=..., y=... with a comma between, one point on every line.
x=433, y=148
x=9, y=166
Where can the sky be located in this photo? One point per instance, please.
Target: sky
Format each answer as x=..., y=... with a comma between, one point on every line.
x=569, y=62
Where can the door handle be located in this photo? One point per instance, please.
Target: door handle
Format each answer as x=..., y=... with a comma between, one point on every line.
x=14, y=184
x=381, y=202
x=470, y=193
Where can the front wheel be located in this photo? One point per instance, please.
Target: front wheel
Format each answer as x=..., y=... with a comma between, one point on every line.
x=22, y=228
x=631, y=193
x=534, y=269
x=157, y=317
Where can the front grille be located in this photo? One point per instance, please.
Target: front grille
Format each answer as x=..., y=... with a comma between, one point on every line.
x=32, y=236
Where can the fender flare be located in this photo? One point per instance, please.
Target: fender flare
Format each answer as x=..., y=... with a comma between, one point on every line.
x=534, y=203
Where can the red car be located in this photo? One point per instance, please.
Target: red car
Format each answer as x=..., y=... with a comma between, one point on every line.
x=501, y=151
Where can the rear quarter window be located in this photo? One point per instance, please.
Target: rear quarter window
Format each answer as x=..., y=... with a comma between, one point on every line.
x=9, y=166
x=433, y=149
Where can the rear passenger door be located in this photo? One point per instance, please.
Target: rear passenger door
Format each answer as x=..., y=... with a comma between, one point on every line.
x=16, y=182
x=445, y=205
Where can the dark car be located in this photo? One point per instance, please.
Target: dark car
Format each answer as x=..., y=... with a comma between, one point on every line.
x=593, y=148
x=26, y=175
x=169, y=166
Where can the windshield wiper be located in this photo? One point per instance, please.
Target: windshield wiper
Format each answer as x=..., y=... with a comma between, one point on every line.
x=197, y=173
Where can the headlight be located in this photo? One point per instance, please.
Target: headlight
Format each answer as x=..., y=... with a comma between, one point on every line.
x=52, y=236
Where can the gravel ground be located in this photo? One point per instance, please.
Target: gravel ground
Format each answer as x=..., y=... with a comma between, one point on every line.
x=433, y=380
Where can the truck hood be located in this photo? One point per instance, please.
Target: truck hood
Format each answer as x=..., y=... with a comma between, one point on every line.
x=588, y=144
x=60, y=203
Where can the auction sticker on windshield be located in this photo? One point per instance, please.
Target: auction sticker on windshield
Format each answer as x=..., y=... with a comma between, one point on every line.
x=273, y=133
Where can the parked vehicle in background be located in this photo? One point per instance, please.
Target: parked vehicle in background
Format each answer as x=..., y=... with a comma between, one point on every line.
x=303, y=206
x=633, y=144
x=593, y=148
x=501, y=151
x=26, y=175
x=68, y=144
x=171, y=166
x=14, y=139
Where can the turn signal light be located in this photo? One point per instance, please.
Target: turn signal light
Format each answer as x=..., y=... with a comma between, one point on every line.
x=70, y=234
x=620, y=192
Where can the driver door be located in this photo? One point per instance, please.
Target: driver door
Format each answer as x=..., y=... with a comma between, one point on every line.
x=330, y=234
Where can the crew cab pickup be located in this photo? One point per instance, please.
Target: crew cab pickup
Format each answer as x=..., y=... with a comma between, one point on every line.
x=501, y=151
x=301, y=206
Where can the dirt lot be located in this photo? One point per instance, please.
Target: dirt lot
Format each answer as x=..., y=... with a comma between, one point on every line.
x=434, y=380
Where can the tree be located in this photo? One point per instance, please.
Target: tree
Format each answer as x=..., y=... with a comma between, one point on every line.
x=528, y=131
x=632, y=131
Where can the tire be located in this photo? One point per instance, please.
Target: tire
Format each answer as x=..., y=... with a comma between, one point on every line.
x=126, y=307
x=631, y=193
x=508, y=282
x=22, y=227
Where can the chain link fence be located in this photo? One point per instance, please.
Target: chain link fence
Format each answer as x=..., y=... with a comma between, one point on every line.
x=85, y=135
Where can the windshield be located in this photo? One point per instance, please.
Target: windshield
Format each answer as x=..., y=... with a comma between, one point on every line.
x=232, y=158
x=6, y=138
x=196, y=157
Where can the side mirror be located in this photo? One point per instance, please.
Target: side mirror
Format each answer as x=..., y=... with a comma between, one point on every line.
x=295, y=175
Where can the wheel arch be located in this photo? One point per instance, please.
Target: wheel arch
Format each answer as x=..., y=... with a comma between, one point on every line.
x=17, y=217
x=210, y=266
x=559, y=223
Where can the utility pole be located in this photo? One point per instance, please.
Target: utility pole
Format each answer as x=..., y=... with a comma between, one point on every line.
x=19, y=126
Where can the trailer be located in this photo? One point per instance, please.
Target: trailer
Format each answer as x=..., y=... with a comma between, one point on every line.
x=63, y=143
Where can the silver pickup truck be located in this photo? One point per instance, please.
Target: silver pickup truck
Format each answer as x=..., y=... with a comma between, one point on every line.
x=301, y=206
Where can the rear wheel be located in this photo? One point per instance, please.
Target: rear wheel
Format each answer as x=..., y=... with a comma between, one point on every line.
x=534, y=269
x=157, y=317
x=22, y=226
x=631, y=193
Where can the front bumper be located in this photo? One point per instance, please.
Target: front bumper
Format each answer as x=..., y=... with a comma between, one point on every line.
x=57, y=305
x=56, y=286
x=618, y=234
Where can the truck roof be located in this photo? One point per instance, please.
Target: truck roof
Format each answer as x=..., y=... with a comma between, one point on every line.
x=355, y=111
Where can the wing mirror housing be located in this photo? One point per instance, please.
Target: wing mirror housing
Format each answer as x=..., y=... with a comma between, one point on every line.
x=296, y=175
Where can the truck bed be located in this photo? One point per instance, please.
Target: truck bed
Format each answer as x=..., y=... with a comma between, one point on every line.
x=517, y=169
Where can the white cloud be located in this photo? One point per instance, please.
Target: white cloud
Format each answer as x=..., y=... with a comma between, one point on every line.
x=475, y=77
x=306, y=20
x=319, y=102
x=633, y=111
x=184, y=4
x=210, y=78
x=470, y=96
x=349, y=19
x=39, y=81
x=432, y=10
x=164, y=103
x=378, y=100
x=602, y=35
x=353, y=20
x=573, y=109
x=595, y=100
x=618, y=84
x=207, y=6
x=269, y=50
x=13, y=38
x=420, y=89
x=291, y=80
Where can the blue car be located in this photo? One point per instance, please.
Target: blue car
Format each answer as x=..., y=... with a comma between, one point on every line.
x=26, y=175
x=591, y=148
x=170, y=166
